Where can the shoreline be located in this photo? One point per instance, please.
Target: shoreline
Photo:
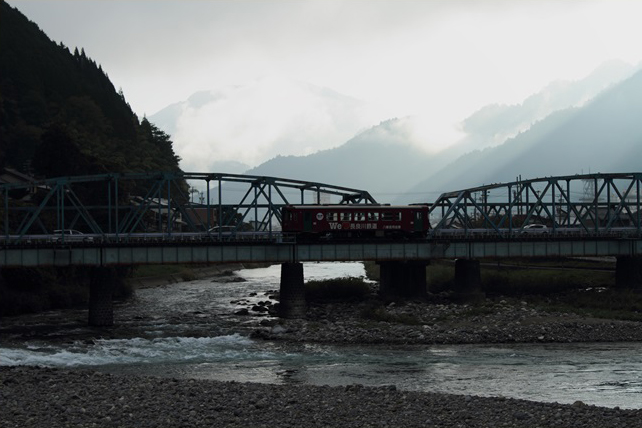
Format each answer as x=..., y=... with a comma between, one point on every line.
x=46, y=397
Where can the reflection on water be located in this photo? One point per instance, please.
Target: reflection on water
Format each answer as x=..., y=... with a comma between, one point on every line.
x=186, y=330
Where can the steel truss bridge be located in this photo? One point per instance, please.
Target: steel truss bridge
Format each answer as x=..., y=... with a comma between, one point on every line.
x=210, y=218
x=119, y=206
x=594, y=204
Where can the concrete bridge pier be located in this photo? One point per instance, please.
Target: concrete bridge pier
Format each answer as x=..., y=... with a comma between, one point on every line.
x=292, y=291
x=403, y=278
x=628, y=272
x=467, y=286
x=101, y=288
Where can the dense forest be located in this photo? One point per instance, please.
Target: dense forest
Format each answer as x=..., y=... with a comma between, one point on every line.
x=61, y=115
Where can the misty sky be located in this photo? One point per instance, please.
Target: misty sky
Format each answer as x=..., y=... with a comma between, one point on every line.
x=441, y=59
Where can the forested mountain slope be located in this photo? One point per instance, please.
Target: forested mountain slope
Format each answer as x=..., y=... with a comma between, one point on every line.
x=61, y=115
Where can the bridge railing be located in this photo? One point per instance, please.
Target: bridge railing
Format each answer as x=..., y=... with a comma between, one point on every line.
x=234, y=238
x=41, y=240
x=517, y=234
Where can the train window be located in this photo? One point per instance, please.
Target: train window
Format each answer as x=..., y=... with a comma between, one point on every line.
x=418, y=215
x=391, y=216
x=359, y=216
x=373, y=216
x=333, y=216
x=346, y=216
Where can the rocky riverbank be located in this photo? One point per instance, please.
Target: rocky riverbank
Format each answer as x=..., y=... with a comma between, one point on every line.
x=418, y=322
x=43, y=397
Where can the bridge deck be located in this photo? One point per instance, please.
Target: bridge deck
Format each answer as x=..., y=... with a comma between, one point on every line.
x=279, y=252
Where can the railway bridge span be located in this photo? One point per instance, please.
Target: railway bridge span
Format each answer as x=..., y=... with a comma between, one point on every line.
x=182, y=218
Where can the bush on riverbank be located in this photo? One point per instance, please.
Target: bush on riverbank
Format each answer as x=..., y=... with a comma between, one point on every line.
x=439, y=275
x=616, y=304
x=339, y=289
x=32, y=290
x=516, y=279
x=517, y=282
x=584, y=287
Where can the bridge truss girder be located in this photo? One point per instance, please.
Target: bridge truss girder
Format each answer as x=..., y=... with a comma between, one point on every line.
x=591, y=203
x=122, y=204
x=264, y=196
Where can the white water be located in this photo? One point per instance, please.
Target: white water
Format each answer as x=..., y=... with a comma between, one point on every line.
x=186, y=330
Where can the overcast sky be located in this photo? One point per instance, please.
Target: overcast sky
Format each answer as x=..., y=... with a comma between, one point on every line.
x=445, y=59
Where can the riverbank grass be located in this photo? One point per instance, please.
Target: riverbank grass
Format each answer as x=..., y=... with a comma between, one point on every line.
x=583, y=287
x=602, y=303
x=339, y=289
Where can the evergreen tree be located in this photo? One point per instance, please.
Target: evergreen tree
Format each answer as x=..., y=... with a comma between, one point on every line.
x=58, y=155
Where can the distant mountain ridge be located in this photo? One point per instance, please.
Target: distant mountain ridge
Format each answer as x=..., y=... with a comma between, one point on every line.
x=379, y=158
x=601, y=134
x=494, y=124
x=604, y=135
x=390, y=160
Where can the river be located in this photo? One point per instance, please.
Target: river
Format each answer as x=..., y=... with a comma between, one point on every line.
x=190, y=330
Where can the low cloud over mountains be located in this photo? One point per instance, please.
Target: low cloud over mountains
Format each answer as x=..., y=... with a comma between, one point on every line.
x=249, y=124
x=323, y=136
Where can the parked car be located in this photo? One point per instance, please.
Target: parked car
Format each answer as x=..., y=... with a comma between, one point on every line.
x=70, y=235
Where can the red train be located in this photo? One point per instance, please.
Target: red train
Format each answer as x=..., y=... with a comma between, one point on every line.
x=356, y=221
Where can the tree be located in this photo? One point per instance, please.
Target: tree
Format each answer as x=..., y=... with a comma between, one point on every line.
x=160, y=145
x=58, y=155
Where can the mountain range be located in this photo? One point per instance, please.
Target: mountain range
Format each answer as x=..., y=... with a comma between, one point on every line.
x=566, y=128
x=603, y=135
x=235, y=127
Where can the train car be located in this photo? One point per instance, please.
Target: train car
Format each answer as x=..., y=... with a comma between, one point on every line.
x=356, y=221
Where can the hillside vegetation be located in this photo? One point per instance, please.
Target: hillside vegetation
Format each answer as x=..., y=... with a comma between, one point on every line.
x=61, y=115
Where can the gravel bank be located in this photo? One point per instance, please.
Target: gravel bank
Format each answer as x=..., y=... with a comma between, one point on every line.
x=503, y=321
x=43, y=397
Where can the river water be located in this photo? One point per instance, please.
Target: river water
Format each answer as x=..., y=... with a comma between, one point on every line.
x=190, y=330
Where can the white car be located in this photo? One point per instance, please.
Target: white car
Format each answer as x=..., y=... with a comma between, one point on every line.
x=535, y=229
x=70, y=235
